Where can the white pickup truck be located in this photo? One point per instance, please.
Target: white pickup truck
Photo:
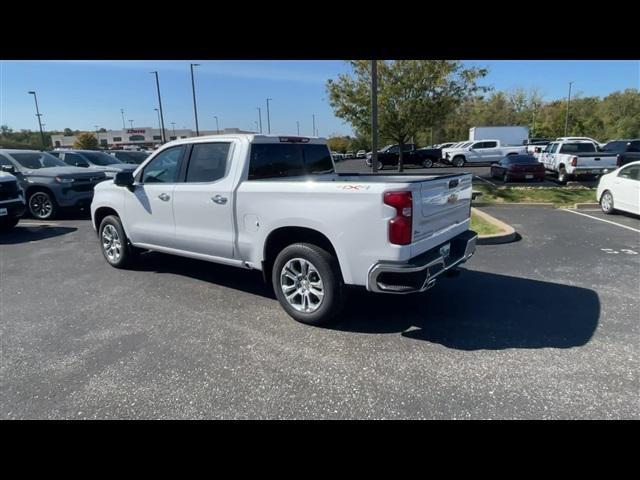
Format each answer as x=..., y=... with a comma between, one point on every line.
x=481, y=151
x=277, y=205
x=576, y=158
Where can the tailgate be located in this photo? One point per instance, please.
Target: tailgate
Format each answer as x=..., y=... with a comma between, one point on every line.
x=441, y=210
x=596, y=161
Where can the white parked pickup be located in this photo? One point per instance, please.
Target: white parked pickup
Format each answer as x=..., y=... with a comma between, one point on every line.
x=575, y=158
x=481, y=151
x=277, y=205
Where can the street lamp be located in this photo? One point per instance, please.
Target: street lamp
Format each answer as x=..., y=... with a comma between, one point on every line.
x=173, y=124
x=256, y=122
x=268, y=119
x=193, y=89
x=131, y=123
x=217, y=125
x=298, y=125
x=260, y=118
x=314, y=124
x=123, y=124
x=38, y=114
x=164, y=138
x=97, y=134
x=159, y=124
x=566, y=120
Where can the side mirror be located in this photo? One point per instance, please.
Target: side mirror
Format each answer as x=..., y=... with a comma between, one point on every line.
x=8, y=168
x=123, y=179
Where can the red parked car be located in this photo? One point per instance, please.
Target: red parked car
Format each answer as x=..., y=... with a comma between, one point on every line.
x=518, y=167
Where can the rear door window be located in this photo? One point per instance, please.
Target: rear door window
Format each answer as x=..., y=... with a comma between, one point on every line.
x=208, y=162
x=274, y=160
x=578, y=148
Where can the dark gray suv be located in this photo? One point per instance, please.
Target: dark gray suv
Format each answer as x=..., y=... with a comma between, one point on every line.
x=49, y=183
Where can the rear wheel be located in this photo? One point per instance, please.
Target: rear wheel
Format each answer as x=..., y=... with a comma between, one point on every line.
x=458, y=162
x=606, y=202
x=427, y=163
x=563, y=177
x=505, y=177
x=380, y=165
x=42, y=205
x=308, y=283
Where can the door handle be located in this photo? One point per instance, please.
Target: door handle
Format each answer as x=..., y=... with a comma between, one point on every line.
x=164, y=197
x=219, y=199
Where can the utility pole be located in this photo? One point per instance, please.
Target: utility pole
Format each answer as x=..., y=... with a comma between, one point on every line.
x=164, y=137
x=566, y=120
x=38, y=114
x=260, y=118
x=193, y=88
x=268, y=118
x=374, y=116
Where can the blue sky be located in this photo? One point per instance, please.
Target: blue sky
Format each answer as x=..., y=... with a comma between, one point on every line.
x=81, y=94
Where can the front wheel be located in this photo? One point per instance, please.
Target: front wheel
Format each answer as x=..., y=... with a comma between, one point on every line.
x=42, y=205
x=458, y=162
x=606, y=202
x=114, y=243
x=427, y=163
x=308, y=283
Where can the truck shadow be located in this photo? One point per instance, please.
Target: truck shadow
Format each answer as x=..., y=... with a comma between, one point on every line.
x=480, y=311
x=24, y=234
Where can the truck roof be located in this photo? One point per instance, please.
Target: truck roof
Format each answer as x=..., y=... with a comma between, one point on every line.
x=252, y=138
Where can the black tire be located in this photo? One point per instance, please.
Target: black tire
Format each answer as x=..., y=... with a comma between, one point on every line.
x=458, y=161
x=128, y=253
x=427, y=163
x=42, y=205
x=329, y=272
x=563, y=176
x=7, y=224
x=606, y=202
x=380, y=165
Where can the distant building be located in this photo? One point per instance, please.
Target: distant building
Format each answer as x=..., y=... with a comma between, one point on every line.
x=142, y=137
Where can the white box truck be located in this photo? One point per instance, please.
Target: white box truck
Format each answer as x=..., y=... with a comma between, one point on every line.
x=511, y=135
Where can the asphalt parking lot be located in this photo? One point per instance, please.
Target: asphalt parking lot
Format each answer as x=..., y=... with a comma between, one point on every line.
x=481, y=173
x=545, y=327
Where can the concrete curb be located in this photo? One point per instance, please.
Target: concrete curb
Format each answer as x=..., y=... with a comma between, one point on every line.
x=586, y=206
x=507, y=235
x=512, y=204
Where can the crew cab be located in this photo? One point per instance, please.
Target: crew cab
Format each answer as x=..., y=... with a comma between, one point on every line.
x=275, y=204
x=576, y=158
x=390, y=155
x=482, y=151
x=626, y=151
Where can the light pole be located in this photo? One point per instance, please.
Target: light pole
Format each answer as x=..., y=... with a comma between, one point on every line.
x=124, y=127
x=193, y=89
x=131, y=123
x=314, y=125
x=164, y=138
x=159, y=124
x=173, y=124
x=566, y=120
x=97, y=135
x=256, y=122
x=260, y=118
x=374, y=116
x=268, y=119
x=217, y=125
x=38, y=114
x=298, y=125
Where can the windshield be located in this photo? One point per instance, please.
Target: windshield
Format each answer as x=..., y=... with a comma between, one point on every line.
x=100, y=158
x=37, y=160
x=464, y=144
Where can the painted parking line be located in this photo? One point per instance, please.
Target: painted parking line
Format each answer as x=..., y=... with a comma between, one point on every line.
x=601, y=219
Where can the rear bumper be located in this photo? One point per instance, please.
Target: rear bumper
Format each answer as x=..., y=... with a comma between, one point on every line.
x=420, y=273
x=591, y=171
x=15, y=208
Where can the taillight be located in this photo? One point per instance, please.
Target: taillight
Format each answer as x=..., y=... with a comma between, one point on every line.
x=574, y=161
x=400, y=226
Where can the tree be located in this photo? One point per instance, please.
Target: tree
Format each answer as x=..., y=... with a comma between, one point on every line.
x=412, y=95
x=68, y=132
x=86, y=141
x=338, y=143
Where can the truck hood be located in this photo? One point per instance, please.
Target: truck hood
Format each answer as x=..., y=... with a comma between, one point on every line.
x=116, y=167
x=67, y=172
